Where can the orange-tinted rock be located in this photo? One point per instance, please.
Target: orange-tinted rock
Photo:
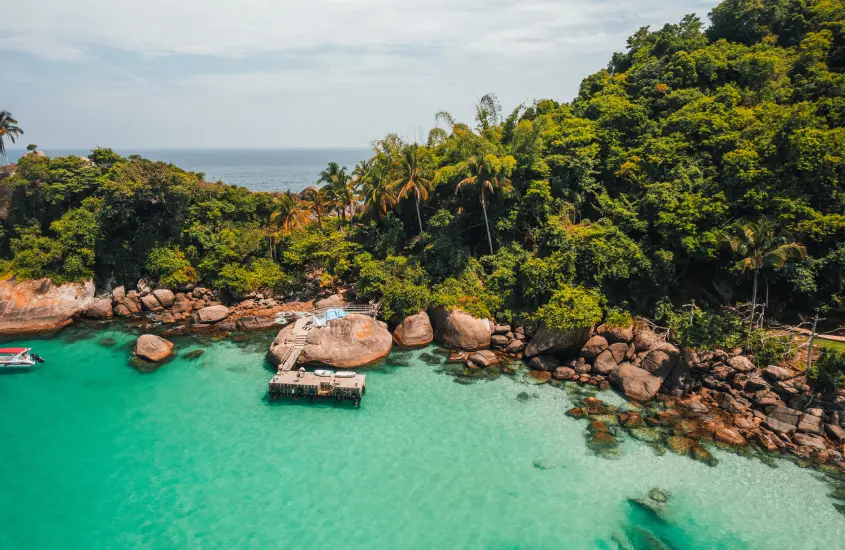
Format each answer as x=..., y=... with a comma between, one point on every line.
x=542, y=376
x=30, y=307
x=576, y=412
x=631, y=420
x=349, y=342
x=729, y=437
x=100, y=309
x=153, y=348
x=460, y=330
x=414, y=331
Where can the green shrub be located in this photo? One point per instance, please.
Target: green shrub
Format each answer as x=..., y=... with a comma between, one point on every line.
x=705, y=331
x=34, y=256
x=170, y=267
x=828, y=372
x=618, y=318
x=571, y=308
x=262, y=274
x=767, y=348
x=398, y=283
x=468, y=294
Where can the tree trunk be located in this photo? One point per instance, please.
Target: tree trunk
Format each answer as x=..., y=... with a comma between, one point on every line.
x=486, y=223
x=419, y=217
x=753, y=309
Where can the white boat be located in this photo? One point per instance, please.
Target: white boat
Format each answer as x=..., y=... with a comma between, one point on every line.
x=344, y=374
x=324, y=373
x=18, y=358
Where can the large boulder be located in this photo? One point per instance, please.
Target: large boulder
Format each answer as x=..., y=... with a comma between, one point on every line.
x=335, y=300
x=636, y=383
x=153, y=348
x=605, y=363
x=777, y=374
x=460, y=330
x=37, y=306
x=164, y=296
x=614, y=335
x=661, y=360
x=484, y=358
x=100, y=309
x=151, y=303
x=594, y=347
x=212, y=314
x=741, y=364
x=414, y=331
x=118, y=295
x=544, y=362
x=549, y=341
x=347, y=343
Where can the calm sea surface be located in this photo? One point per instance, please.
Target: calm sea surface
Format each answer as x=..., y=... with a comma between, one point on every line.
x=94, y=454
x=255, y=169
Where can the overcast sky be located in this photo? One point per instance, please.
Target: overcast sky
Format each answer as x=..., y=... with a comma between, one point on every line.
x=280, y=73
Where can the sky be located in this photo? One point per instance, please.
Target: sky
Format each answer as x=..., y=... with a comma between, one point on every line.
x=305, y=73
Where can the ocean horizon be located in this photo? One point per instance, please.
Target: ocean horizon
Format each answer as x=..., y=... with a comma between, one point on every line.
x=259, y=169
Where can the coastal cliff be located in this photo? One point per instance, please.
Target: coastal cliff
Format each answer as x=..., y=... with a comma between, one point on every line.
x=39, y=306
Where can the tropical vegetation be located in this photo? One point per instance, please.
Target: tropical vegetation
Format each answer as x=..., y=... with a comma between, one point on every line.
x=699, y=156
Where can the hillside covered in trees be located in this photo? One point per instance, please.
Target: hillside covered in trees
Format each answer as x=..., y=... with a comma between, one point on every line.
x=627, y=196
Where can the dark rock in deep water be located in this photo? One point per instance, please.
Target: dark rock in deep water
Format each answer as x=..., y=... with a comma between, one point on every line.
x=193, y=355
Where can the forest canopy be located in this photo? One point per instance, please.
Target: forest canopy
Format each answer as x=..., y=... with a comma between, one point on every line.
x=620, y=198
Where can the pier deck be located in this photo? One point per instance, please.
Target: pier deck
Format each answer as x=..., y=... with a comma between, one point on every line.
x=308, y=384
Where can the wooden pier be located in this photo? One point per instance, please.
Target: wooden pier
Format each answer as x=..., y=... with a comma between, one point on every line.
x=307, y=384
x=290, y=383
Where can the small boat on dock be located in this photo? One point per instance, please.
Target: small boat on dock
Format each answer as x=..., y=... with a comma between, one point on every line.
x=18, y=358
x=324, y=373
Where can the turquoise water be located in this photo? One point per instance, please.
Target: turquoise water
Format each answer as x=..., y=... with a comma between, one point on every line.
x=94, y=454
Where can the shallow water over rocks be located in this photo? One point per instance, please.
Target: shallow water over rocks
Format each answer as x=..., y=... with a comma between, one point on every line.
x=195, y=455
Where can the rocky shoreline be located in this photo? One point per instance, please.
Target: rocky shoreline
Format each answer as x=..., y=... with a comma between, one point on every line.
x=718, y=397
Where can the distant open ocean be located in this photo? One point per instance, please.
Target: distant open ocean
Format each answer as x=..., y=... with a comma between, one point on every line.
x=256, y=169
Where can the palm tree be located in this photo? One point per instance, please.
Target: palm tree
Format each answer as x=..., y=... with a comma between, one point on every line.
x=8, y=127
x=378, y=193
x=488, y=173
x=760, y=247
x=414, y=176
x=361, y=173
x=319, y=201
x=291, y=213
x=339, y=187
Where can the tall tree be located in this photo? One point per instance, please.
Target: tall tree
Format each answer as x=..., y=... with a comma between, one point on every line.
x=8, y=128
x=378, y=194
x=319, y=201
x=413, y=168
x=339, y=187
x=291, y=213
x=760, y=247
x=361, y=173
x=488, y=173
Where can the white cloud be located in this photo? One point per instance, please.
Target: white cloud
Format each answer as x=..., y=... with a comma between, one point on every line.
x=247, y=27
x=304, y=72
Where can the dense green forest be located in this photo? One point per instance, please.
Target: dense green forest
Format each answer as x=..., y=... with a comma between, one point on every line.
x=698, y=160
